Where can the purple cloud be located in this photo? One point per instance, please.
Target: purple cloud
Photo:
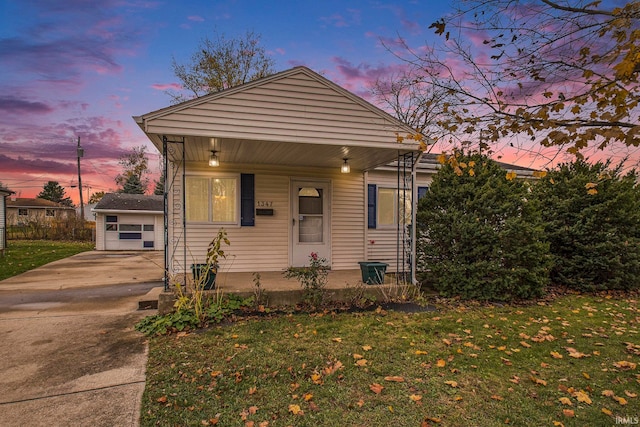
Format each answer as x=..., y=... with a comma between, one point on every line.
x=10, y=105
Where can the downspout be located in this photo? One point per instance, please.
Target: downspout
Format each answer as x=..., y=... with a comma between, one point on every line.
x=165, y=206
x=414, y=211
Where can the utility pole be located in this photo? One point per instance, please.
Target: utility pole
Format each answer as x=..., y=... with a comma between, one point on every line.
x=80, y=152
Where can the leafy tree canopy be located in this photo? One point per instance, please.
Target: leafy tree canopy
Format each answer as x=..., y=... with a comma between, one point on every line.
x=562, y=73
x=96, y=197
x=53, y=191
x=221, y=63
x=135, y=168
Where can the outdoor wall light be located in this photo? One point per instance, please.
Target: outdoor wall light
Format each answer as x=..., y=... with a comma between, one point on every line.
x=345, y=166
x=214, y=161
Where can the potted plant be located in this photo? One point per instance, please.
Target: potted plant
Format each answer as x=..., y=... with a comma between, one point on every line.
x=204, y=274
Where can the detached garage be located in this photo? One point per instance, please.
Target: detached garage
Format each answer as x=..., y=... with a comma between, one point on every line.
x=129, y=222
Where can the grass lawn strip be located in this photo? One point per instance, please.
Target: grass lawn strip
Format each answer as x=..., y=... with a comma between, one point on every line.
x=571, y=362
x=24, y=255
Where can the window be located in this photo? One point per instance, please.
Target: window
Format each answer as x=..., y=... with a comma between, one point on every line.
x=392, y=206
x=23, y=212
x=212, y=199
x=112, y=227
x=50, y=212
x=147, y=244
x=130, y=227
x=111, y=218
x=130, y=236
x=148, y=227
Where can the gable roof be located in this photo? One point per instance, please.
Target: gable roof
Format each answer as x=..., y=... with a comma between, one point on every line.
x=130, y=202
x=25, y=202
x=293, y=118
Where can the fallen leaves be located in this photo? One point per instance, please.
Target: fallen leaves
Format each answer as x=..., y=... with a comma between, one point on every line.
x=625, y=365
x=376, y=388
x=394, y=378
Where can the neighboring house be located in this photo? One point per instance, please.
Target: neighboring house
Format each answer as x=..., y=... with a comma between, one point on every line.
x=22, y=211
x=129, y=222
x=282, y=164
x=4, y=193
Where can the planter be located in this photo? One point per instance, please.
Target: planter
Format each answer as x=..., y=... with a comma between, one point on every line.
x=373, y=272
x=209, y=280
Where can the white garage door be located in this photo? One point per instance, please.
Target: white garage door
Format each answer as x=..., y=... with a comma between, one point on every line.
x=129, y=232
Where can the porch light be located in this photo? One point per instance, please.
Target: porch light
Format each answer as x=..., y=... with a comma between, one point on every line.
x=345, y=166
x=214, y=161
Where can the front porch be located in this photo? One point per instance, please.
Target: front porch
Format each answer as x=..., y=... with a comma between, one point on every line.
x=342, y=285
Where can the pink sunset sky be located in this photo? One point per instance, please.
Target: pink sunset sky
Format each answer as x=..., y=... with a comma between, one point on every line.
x=79, y=68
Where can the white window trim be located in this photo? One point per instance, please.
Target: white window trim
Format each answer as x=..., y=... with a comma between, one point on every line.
x=210, y=178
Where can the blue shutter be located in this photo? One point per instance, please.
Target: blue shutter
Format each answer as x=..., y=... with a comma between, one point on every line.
x=247, y=200
x=422, y=191
x=372, y=194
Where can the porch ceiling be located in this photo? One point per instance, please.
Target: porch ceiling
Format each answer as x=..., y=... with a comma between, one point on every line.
x=288, y=154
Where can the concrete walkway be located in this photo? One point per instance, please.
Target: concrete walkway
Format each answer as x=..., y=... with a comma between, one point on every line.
x=69, y=355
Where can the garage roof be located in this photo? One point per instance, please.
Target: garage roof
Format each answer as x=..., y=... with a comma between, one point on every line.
x=130, y=202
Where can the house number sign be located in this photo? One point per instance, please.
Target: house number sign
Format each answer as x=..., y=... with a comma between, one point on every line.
x=263, y=204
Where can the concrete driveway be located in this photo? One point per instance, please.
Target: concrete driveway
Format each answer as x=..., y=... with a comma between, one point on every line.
x=68, y=351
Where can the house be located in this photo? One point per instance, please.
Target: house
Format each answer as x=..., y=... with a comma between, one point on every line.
x=22, y=211
x=4, y=193
x=283, y=165
x=129, y=222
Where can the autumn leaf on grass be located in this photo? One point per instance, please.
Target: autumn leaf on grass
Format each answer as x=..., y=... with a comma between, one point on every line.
x=415, y=397
x=582, y=397
x=420, y=352
x=630, y=394
x=620, y=400
x=575, y=353
x=162, y=399
x=425, y=423
x=538, y=380
x=556, y=355
x=366, y=347
x=453, y=384
x=316, y=378
x=376, y=388
x=441, y=363
x=569, y=413
x=361, y=362
x=496, y=397
x=336, y=339
x=606, y=411
x=566, y=401
x=623, y=364
x=394, y=378
x=608, y=393
x=333, y=367
x=307, y=397
x=295, y=410
x=525, y=344
x=357, y=356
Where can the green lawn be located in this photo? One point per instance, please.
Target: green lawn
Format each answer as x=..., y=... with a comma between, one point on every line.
x=25, y=255
x=571, y=361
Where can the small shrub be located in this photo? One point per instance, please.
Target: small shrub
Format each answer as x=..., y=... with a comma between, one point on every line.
x=313, y=278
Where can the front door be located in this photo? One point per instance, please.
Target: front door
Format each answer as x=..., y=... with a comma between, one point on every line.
x=310, y=206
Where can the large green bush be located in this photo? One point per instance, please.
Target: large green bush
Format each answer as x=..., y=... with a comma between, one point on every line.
x=592, y=217
x=480, y=234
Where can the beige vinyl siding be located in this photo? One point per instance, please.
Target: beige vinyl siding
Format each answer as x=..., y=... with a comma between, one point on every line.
x=296, y=108
x=265, y=246
x=348, y=221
